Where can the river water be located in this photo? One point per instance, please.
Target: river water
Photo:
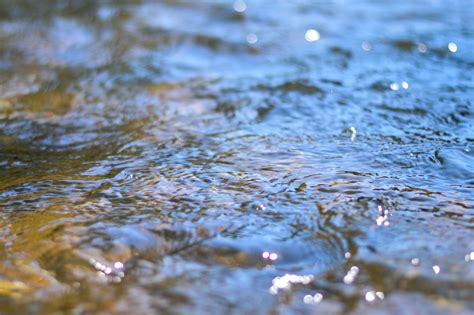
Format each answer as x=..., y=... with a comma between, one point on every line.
x=221, y=157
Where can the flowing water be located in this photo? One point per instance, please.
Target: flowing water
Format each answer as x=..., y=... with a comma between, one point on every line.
x=221, y=157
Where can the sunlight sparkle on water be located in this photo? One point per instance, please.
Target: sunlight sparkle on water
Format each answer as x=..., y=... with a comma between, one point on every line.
x=370, y=296
x=312, y=35
x=382, y=219
x=313, y=299
x=351, y=274
x=240, y=6
x=285, y=282
x=252, y=38
x=452, y=47
x=422, y=48
x=271, y=256
x=354, y=133
x=366, y=46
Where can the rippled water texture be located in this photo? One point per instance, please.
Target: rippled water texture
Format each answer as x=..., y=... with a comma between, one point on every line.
x=212, y=157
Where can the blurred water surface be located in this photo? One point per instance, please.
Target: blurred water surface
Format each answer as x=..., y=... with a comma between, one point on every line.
x=236, y=157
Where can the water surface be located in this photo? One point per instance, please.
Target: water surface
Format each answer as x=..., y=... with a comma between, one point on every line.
x=180, y=157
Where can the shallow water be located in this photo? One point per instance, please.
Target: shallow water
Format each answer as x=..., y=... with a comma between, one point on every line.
x=181, y=156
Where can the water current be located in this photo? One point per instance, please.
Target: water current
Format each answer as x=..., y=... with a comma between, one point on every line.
x=221, y=157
